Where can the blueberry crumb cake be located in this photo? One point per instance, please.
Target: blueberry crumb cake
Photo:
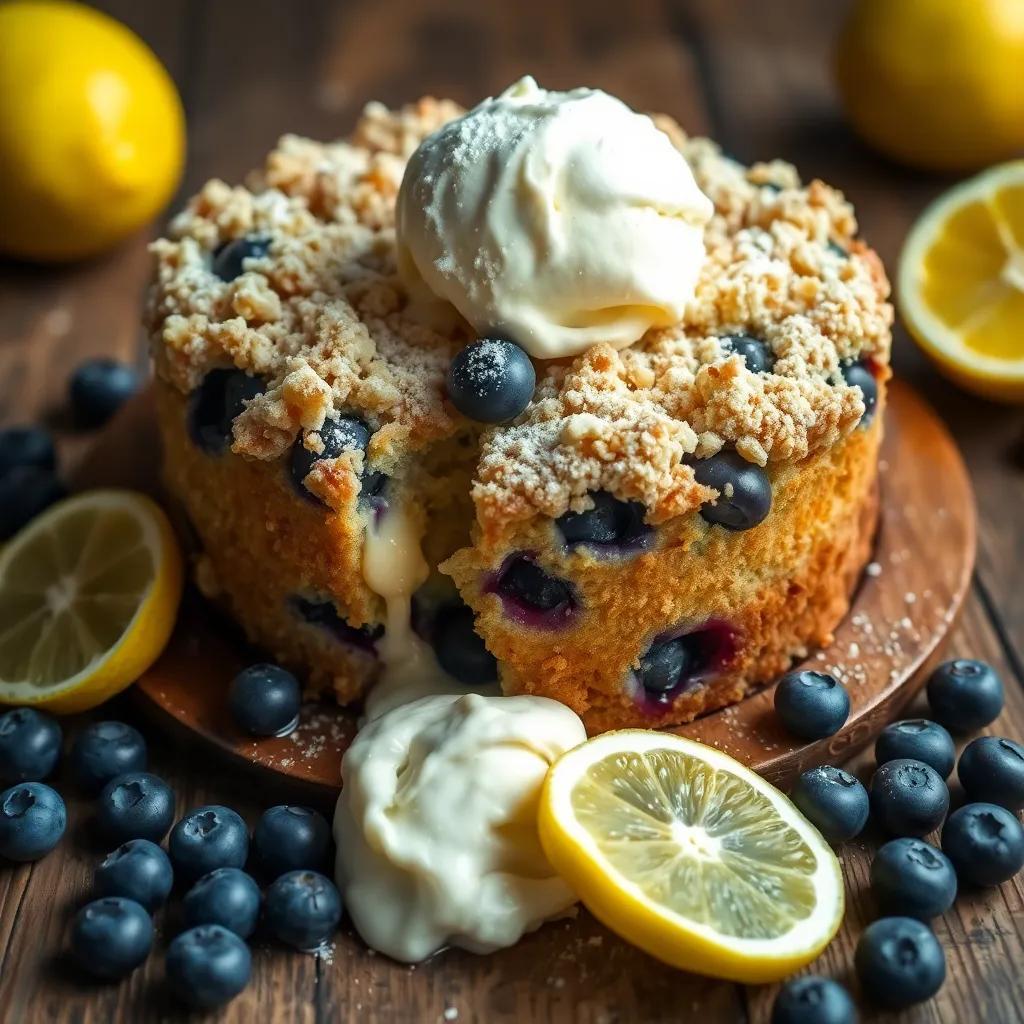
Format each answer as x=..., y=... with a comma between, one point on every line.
x=637, y=445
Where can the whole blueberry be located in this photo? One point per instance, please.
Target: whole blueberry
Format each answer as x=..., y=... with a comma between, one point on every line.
x=491, y=380
x=104, y=750
x=919, y=740
x=911, y=878
x=98, y=388
x=665, y=666
x=985, y=842
x=611, y=523
x=460, y=650
x=744, y=490
x=813, y=1000
x=325, y=614
x=757, y=354
x=532, y=586
x=834, y=802
x=214, y=405
x=228, y=260
x=32, y=820
x=136, y=805
x=347, y=433
x=137, y=870
x=965, y=695
x=26, y=446
x=265, y=700
x=25, y=492
x=857, y=375
x=29, y=745
x=110, y=937
x=899, y=962
x=908, y=798
x=227, y=897
x=811, y=705
x=207, y=838
x=208, y=966
x=991, y=769
x=303, y=909
x=290, y=839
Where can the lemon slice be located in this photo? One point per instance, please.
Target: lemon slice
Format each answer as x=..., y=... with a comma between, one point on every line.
x=691, y=856
x=89, y=592
x=961, y=282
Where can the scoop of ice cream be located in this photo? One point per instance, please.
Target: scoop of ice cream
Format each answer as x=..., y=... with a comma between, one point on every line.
x=436, y=825
x=556, y=219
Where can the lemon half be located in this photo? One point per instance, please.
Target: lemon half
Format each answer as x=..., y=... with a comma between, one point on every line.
x=961, y=282
x=89, y=593
x=689, y=855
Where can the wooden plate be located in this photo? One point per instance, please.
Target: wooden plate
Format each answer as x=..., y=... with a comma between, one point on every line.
x=904, y=608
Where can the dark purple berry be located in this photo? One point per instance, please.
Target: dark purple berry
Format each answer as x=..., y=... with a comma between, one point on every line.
x=757, y=354
x=30, y=742
x=744, y=490
x=965, y=695
x=26, y=446
x=32, y=820
x=610, y=524
x=811, y=705
x=110, y=937
x=900, y=962
x=911, y=878
x=347, y=433
x=491, y=380
x=992, y=770
x=99, y=387
x=229, y=259
x=460, y=650
x=908, y=798
x=215, y=404
x=834, y=802
x=985, y=842
x=919, y=740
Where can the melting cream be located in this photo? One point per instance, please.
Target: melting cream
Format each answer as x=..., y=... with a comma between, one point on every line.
x=394, y=568
x=436, y=825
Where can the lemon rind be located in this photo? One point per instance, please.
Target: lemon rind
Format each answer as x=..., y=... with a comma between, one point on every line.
x=627, y=910
x=154, y=617
x=939, y=340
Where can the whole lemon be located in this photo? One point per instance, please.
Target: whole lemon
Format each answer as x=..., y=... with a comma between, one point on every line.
x=937, y=84
x=92, y=132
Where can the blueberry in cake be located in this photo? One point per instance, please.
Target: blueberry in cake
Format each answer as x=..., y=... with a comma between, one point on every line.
x=620, y=444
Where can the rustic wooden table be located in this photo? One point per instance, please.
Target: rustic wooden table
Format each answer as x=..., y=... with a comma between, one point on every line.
x=754, y=75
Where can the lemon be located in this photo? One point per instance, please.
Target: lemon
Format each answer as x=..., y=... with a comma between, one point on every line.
x=691, y=856
x=91, y=131
x=961, y=282
x=935, y=83
x=89, y=593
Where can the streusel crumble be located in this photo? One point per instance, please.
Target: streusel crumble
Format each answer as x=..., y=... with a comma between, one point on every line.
x=583, y=534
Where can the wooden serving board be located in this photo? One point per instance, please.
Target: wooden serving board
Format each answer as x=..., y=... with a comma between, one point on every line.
x=901, y=614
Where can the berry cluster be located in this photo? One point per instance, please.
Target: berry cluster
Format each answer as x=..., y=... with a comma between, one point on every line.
x=219, y=869
x=899, y=960
x=29, y=483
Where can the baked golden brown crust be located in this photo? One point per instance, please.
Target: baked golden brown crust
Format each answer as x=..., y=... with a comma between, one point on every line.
x=770, y=594
x=323, y=321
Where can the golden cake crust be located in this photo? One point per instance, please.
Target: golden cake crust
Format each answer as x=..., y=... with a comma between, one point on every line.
x=324, y=322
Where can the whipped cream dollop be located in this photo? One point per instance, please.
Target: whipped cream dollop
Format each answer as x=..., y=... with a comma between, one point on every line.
x=436, y=825
x=556, y=219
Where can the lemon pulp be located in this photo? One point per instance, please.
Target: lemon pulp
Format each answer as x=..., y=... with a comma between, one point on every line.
x=961, y=282
x=690, y=855
x=698, y=842
x=88, y=597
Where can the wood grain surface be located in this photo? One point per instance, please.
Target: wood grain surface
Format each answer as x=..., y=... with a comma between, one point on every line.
x=756, y=76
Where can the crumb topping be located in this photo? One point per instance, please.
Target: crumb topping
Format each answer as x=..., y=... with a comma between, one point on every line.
x=323, y=319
